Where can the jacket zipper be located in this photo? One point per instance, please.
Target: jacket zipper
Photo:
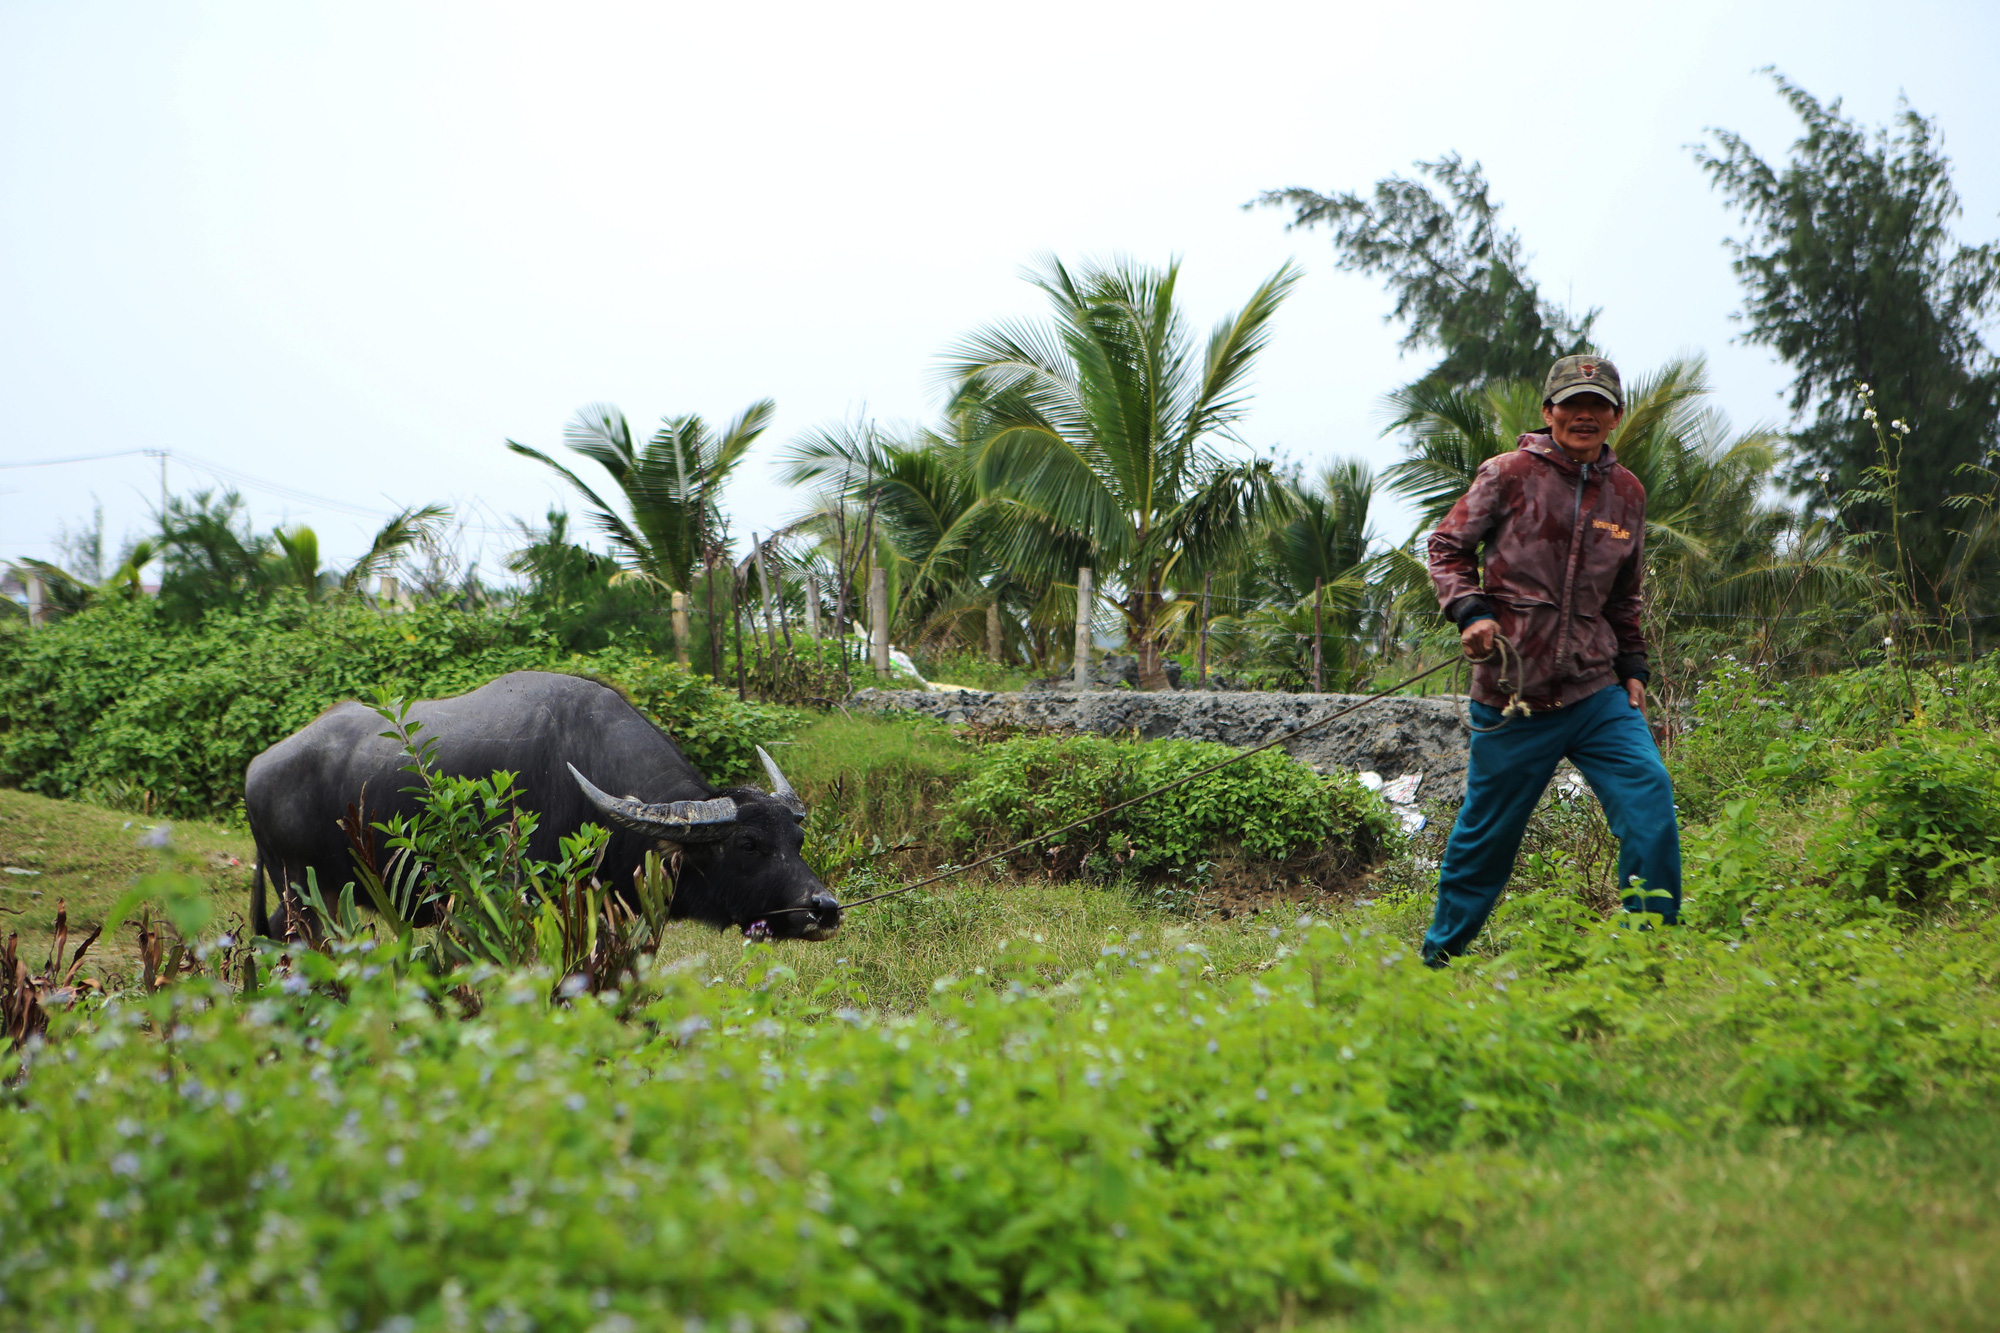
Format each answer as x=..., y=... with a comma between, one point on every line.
x=1569, y=578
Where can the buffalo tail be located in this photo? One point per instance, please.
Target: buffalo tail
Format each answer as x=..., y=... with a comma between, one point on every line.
x=260, y=918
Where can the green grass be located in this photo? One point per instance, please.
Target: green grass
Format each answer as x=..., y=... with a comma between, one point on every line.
x=974, y=671
x=893, y=952
x=1894, y=1227
x=1573, y=1129
x=87, y=856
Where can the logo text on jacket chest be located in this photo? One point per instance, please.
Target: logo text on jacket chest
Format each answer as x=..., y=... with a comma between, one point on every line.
x=1618, y=533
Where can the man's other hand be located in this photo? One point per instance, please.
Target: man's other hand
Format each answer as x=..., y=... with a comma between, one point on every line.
x=1635, y=690
x=1477, y=638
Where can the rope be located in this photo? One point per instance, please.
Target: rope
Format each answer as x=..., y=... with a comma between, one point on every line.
x=1502, y=649
x=1237, y=758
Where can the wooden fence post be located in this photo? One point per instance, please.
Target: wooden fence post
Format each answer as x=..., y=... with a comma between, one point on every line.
x=1318, y=679
x=736, y=629
x=764, y=581
x=1201, y=654
x=1083, y=608
x=878, y=617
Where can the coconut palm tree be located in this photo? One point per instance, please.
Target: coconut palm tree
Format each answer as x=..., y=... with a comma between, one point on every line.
x=1307, y=579
x=932, y=525
x=1105, y=437
x=295, y=562
x=672, y=487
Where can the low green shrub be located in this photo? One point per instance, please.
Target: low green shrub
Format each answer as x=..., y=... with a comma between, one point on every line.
x=1737, y=721
x=1923, y=822
x=1268, y=805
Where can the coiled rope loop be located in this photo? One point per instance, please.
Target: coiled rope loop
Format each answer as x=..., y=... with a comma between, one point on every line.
x=1509, y=657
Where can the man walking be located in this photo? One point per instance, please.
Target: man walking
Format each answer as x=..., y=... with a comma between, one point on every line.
x=1563, y=525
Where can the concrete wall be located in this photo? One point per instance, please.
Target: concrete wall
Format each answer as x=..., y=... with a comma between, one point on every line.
x=1393, y=736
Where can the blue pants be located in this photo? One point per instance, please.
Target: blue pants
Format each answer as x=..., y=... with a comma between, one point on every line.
x=1608, y=740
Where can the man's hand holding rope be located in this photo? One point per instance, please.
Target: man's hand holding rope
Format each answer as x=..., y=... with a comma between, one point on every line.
x=1477, y=640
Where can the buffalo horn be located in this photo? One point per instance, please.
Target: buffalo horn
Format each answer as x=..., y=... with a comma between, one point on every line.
x=672, y=821
x=781, y=788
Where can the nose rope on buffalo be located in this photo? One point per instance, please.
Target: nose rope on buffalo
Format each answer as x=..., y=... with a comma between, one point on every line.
x=1514, y=708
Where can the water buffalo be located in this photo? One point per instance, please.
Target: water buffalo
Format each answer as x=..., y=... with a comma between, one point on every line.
x=571, y=741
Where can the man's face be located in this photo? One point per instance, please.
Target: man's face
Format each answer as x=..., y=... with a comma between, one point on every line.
x=1582, y=423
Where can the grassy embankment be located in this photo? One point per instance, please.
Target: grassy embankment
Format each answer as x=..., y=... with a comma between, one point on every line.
x=86, y=856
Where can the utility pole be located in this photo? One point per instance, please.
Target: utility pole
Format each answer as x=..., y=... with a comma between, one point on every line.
x=1083, y=627
x=161, y=454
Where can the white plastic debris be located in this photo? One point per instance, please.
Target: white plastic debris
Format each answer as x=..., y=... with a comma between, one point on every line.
x=16, y=870
x=1413, y=820
x=1370, y=779
x=1403, y=791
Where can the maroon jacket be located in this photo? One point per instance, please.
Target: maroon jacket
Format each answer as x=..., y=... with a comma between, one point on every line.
x=1565, y=559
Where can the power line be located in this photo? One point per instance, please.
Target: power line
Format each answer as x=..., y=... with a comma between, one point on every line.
x=81, y=458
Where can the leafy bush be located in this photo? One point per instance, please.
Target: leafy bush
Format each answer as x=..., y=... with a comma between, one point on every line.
x=1924, y=818
x=1268, y=805
x=1737, y=721
x=121, y=704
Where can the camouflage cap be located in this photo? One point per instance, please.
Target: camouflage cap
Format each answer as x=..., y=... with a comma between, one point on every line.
x=1583, y=374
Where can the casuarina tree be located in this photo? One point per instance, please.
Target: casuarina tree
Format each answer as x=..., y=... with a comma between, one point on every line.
x=1459, y=277
x=1851, y=273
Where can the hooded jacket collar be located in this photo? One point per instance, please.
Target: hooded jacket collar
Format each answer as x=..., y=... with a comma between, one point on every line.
x=1543, y=444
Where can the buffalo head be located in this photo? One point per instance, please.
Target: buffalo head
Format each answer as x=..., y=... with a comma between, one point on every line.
x=740, y=861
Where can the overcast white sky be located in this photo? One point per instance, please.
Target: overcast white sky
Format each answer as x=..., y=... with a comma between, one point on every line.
x=348, y=249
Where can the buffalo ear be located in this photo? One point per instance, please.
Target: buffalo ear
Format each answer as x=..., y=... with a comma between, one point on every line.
x=780, y=788
x=669, y=821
